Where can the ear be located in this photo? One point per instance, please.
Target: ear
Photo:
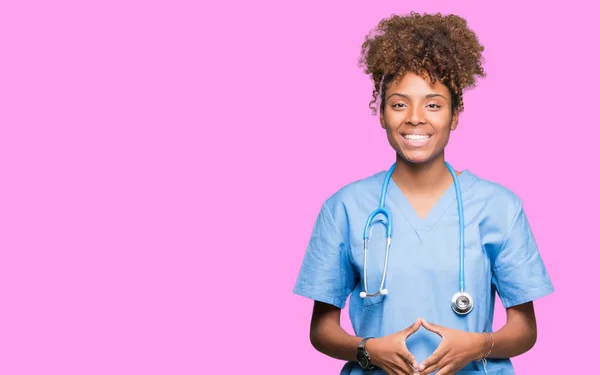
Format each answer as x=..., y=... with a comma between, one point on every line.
x=454, y=122
x=382, y=120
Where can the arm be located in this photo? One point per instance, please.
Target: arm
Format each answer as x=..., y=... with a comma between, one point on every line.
x=518, y=335
x=389, y=353
x=458, y=348
x=328, y=337
x=520, y=277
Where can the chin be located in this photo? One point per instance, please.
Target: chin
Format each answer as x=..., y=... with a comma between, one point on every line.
x=416, y=158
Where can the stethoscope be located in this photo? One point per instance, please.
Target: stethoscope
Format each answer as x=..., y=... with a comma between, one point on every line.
x=462, y=302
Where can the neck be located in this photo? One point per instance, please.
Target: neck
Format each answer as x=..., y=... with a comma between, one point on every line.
x=423, y=178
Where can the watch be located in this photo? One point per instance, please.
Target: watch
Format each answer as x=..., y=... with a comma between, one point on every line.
x=362, y=356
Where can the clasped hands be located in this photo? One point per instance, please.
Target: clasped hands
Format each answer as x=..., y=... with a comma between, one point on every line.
x=456, y=350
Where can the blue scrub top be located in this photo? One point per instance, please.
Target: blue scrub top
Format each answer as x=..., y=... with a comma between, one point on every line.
x=501, y=256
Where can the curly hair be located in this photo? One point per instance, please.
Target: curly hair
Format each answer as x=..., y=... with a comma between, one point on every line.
x=440, y=47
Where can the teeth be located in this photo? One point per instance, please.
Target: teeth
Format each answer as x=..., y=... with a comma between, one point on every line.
x=416, y=137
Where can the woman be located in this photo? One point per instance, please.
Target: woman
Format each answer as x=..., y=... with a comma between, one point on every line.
x=420, y=65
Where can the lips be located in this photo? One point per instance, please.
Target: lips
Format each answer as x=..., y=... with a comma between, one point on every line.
x=416, y=137
x=416, y=140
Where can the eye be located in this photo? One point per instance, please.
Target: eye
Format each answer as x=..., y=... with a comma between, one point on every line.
x=398, y=105
x=434, y=106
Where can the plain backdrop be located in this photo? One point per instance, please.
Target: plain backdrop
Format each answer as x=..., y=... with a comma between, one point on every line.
x=162, y=164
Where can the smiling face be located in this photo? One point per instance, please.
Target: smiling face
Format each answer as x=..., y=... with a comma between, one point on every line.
x=418, y=118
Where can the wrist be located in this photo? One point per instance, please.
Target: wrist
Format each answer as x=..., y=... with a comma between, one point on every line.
x=364, y=353
x=486, y=344
x=369, y=344
x=371, y=348
x=480, y=346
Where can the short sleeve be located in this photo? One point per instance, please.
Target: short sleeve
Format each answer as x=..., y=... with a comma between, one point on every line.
x=519, y=273
x=326, y=274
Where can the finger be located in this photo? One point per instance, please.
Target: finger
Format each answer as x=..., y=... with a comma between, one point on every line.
x=433, y=362
x=413, y=328
x=390, y=370
x=429, y=370
x=393, y=369
x=401, y=367
x=412, y=364
x=446, y=370
x=409, y=358
x=433, y=328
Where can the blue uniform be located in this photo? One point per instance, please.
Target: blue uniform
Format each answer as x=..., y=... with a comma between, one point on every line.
x=501, y=256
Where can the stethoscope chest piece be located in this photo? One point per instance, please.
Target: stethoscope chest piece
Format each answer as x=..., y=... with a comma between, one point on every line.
x=462, y=303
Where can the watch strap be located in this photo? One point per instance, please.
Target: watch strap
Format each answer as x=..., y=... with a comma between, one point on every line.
x=361, y=350
x=363, y=342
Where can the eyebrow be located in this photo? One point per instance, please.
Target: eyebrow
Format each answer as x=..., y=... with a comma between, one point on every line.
x=428, y=96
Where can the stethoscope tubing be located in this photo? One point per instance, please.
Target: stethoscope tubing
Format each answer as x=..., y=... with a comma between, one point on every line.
x=461, y=233
x=381, y=209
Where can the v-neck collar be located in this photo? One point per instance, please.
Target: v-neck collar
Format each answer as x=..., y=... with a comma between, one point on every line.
x=447, y=200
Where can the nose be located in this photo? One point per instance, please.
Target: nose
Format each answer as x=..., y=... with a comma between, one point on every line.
x=415, y=116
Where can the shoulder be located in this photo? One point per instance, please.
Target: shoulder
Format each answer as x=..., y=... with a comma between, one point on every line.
x=350, y=201
x=356, y=190
x=494, y=194
x=496, y=207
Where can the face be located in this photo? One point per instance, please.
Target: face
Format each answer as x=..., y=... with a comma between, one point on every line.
x=418, y=118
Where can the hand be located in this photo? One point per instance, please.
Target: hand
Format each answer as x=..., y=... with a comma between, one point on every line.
x=456, y=350
x=391, y=354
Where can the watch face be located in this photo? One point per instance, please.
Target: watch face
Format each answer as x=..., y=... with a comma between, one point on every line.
x=363, y=361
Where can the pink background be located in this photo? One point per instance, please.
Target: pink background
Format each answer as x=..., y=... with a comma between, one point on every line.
x=162, y=164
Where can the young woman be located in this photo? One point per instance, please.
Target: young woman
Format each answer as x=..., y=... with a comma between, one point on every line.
x=422, y=289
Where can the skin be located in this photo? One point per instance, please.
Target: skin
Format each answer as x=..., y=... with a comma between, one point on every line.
x=413, y=105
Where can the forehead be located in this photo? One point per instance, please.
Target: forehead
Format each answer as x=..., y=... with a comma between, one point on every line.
x=415, y=83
